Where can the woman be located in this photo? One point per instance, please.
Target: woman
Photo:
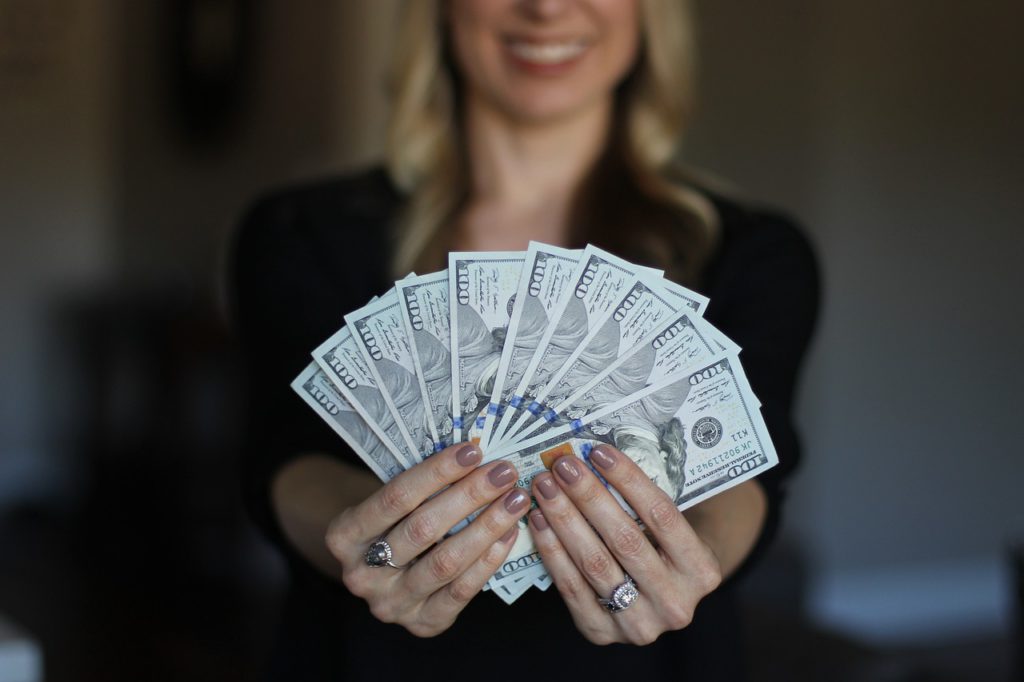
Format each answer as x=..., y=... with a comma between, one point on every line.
x=553, y=120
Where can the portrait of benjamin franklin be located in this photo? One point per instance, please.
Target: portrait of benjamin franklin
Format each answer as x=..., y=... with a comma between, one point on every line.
x=648, y=432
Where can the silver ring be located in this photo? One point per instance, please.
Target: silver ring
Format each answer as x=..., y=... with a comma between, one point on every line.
x=623, y=596
x=379, y=554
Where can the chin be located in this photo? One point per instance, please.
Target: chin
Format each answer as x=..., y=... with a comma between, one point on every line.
x=540, y=108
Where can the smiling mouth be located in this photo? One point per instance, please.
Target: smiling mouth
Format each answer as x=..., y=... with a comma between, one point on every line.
x=547, y=53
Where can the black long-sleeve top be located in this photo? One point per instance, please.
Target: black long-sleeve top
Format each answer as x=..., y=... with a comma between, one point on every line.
x=307, y=255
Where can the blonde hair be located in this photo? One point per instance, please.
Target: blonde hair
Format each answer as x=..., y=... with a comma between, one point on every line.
x=424, y=148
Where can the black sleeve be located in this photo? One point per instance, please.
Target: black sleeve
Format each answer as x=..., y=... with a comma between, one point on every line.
x=287, y=297
x=764, y=295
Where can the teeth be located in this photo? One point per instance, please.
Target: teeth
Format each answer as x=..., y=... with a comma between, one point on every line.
x=547, y=53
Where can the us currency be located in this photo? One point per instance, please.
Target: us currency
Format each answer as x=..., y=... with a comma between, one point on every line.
x=316, y=389
x=677, y=343
x=596, y=285
x=482, y=286
x=687, y=298
x=379, y=332
x=638, y=312
x=694, y=435
x=425, y=311
x=544, y=282
x=344, y=364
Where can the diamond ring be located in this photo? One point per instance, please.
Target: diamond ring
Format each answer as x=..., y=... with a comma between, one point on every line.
x=623, y=596
x=379, y=554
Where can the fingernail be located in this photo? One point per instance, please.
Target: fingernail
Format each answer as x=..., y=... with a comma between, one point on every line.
x=567, y=470
x=468, y=455
x=517, y=501
x=547, y=487
x=538, y=520
x=501, y=475
x=603, y=457
x=508, y=535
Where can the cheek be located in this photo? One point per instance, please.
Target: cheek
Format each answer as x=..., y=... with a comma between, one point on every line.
x=622, y=17
x=475, y=49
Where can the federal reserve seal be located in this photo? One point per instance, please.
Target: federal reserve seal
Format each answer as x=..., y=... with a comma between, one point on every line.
x=707, y=432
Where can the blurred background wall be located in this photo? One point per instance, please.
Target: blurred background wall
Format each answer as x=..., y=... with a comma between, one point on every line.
x=134, y=134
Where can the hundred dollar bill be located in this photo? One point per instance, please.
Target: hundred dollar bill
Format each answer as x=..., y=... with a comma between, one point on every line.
x=544, y=282
x=695, y=434
x=379, y=332
x=316, y=389
x=594, y=288
x=687, y=298
x=344, y=364
x=482, y=286
x=640, y=310
x=425, y=311
x=676, y=344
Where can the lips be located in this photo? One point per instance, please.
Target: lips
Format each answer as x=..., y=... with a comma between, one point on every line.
x=546, y=53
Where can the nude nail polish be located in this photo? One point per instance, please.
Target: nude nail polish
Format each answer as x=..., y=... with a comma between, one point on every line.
x=501, y=475
x=468, y=455
x=568, y=470
x=508, y=535
x=537, y=517
x=517, y=501
x=603, y=457
x=547, y=487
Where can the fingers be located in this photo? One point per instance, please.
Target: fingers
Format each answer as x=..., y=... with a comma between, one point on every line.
x=447, y=564
x=674, y=535
x=443, y=607
x=399, y=497
x=424, y=527
x=590, y=617
x=590, y=555
x=620, y=533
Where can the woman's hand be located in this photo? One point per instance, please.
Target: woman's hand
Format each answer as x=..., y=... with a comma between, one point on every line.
x=589, y=544
x=426, y=594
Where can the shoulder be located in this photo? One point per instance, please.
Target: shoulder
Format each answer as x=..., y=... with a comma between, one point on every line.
x=753, y=230
x=302, y=253
x=760, y=244
x=313, y=209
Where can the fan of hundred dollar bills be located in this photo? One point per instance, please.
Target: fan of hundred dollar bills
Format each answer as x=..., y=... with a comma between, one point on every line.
x=535, y=355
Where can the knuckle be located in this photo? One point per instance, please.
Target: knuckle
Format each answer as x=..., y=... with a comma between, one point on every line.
x=596, y=564
x=628, y=540
x=354, y=581
x=494, y=554
x=423, y=630
x=572, y=588
x=461, y=592
x=384, y=611
x=590, y=493
x=493, y=525
x=643, y=635
x=396, y=498
x=709, y=575
x=664, y=515
x=475, y=493
x=444, y=563
x=561, y=516
x=599, y=636
x=677, y=615
x=337, y=539
x=439, y=474
x=420, y=530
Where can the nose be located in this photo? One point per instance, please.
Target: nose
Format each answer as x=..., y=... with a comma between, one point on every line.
x=544, y=9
